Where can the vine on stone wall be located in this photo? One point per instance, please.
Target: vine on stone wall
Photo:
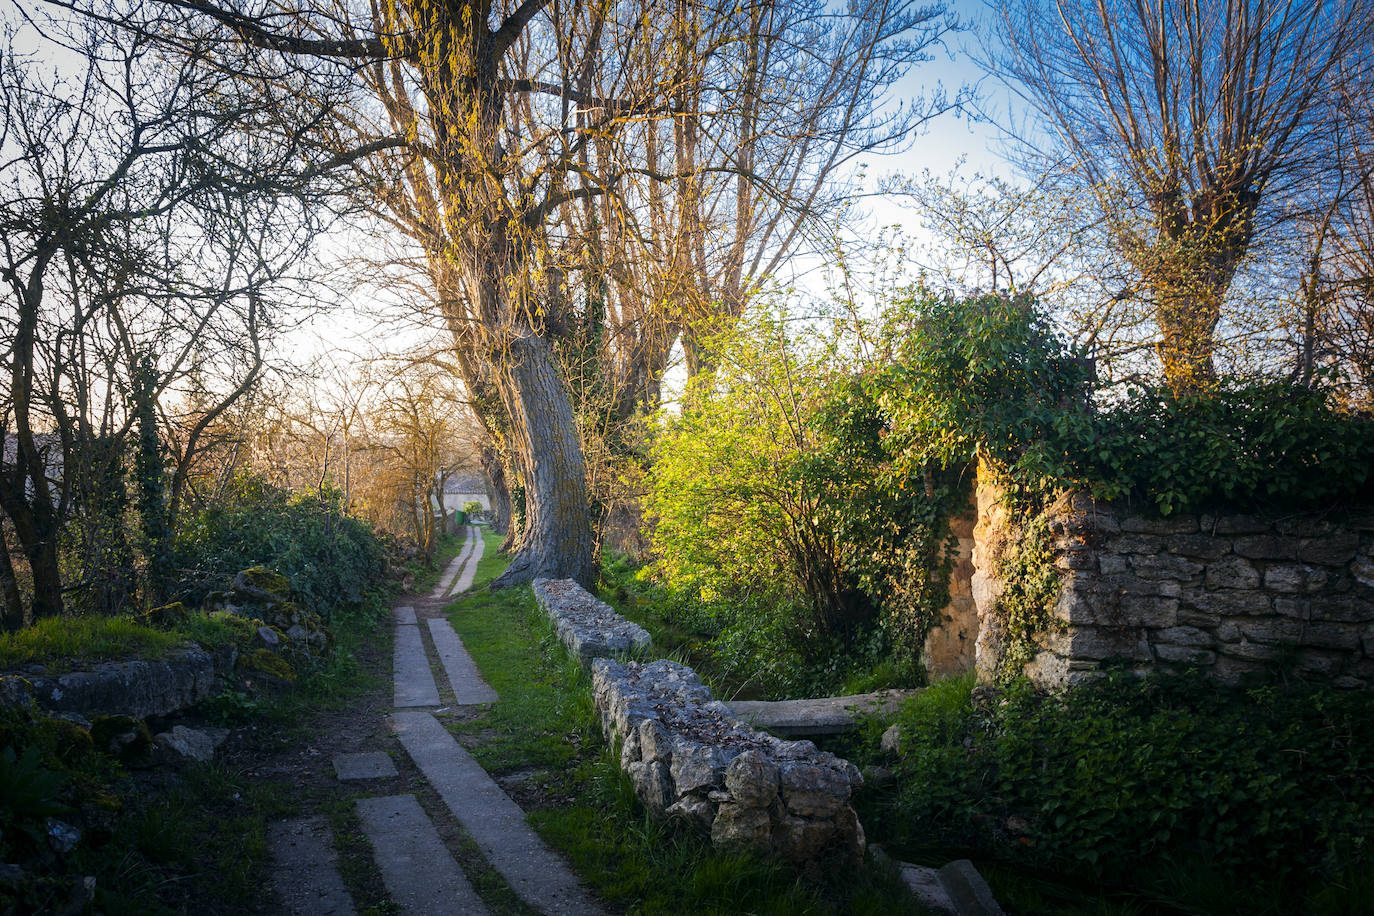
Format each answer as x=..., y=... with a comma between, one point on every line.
x=1025, y=609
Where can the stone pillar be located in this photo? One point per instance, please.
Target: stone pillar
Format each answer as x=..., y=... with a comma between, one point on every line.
x=949, y=646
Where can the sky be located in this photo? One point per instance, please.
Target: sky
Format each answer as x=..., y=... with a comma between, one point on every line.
x=946, y=141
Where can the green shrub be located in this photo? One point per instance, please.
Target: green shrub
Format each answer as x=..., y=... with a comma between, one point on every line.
x=331, y=559
x=1129, y=775
x=990, y=377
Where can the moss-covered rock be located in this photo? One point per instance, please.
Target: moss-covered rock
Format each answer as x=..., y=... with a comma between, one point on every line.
x=260, y=584
x=165, y=617
x=123, y=737
x=262, y=667
x=68, y=741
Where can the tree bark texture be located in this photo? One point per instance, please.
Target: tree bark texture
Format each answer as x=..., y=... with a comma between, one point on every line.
x=548, y=451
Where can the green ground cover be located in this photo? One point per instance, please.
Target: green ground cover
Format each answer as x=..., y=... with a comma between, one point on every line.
x=1134, y=796
x=544, y=727
x=62, y=644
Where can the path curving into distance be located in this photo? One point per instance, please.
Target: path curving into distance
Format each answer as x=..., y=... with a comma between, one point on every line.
x=420, y=873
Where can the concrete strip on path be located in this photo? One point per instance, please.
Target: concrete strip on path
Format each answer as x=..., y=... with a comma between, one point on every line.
x=368, y=765
x=452, y=569
x=413, y=682
x=405, y=614
x=305, y=870
x=417, y=869
x=823, y=716
x=468, y=686
x=474, y=556
x=496, y=823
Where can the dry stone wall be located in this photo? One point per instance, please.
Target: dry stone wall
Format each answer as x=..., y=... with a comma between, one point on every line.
x=689, y=757
x=1228, y=593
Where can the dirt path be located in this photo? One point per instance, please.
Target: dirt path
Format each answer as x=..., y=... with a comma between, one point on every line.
x=421, y=827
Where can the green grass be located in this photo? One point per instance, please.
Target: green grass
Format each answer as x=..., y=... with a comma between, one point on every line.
x=427, y=574
x=545, y=723
x=59, y=642
x=63, y=644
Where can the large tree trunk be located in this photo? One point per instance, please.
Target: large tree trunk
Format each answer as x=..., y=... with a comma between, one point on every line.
x=12, y=615
x=548, y=451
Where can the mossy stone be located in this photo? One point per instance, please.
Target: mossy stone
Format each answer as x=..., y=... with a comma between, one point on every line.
x=258, y=583
x=68, y=741
x=264, y=664
x=165, y=617
x=123, y=737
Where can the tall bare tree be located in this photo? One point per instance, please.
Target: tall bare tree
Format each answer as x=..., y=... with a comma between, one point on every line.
x=1199, y=125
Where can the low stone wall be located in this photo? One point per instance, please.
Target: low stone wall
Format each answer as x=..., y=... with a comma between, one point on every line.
x=689, y=757
x=1227, y=593
x=139, y=688
x=588, y=627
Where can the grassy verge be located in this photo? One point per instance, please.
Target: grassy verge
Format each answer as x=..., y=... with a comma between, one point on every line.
x=165, y=841
x=62, y=644
x=544, y=731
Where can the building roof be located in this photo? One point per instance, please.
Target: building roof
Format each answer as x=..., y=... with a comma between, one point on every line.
x=465, y=483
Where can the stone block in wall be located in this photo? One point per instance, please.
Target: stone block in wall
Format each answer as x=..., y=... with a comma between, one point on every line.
x=1267, y=547
x=1232, y=670
x=1304, y=526
x=1198, y=546
x=1111, y=564
x=1224, y=602
x=1294, y=578
x=1273, y=631
x=1317, y=663
x=1248, y=651
x=1325, y=634
x=1234, y=524
x=1184, y=524
x=1098, y=643
x=1149, y=611
x=1165, y=566
x=1232, y=572
x=1363, y=570
x=1185, y=655
x=1184, y=636
x=1335, y=549
x=1350, y=608
x=1149, y=544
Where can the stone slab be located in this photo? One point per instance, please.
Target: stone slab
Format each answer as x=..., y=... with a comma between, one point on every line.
x=926, y=885
x=417, y=869
x=368, y=765
x=450, y=572
x=468, y=687
x=474, y=556
x=305, y=869
x=821, y=716
x=413, y=682
x=968, y=890
x=494, y=822
x=405, y=614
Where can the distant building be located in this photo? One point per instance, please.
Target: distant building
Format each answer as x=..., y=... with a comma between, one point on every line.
x=462, y=488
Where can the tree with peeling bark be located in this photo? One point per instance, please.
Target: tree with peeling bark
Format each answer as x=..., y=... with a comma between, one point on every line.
x=1198, y=127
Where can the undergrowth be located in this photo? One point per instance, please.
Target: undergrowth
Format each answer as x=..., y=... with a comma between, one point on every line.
x=1180, y=794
